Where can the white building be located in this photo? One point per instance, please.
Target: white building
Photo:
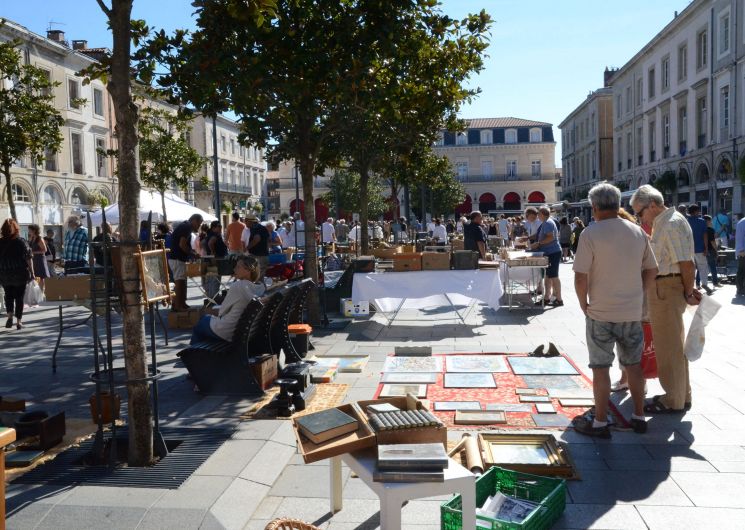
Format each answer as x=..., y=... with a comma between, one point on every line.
x=679, y=107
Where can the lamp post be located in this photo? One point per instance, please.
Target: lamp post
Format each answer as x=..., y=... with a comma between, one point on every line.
x=215, y=169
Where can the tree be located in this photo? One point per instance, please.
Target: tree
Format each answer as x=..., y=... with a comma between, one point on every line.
x=29, y=123
x=166, y=158
x=667, y=183
x=345, y=191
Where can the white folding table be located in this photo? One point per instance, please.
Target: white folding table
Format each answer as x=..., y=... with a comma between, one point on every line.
x=392, y=495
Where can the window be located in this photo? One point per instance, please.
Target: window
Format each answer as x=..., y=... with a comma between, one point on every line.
x=724, y=33
x=535, y=135
x=619, y=151
x=666, y=131
x=628, y=150
x=639, y=87
x=222, y=143
x=20, y=194
x=618, y=106
x=73, y=93
x=725, y=107
x=76, y=147
x=486, y=168
x=51, y=196
x=232, y=176
x=101, y=157
x=510, y=136
x=535, y=168
x=461, y=139
x=461, y=169
x=50, y=160
x=224, y=173
x=701, y=49
x=48, y=91
x=232, y=146
x=639, y=155
x=650, y=83
x=511, y=168
x=665, y=74
x=682, y=62
x=439, y=141
x=701, y=121
x=98, y=102
x=682, y=123
x=652, y=142
x=486, y=137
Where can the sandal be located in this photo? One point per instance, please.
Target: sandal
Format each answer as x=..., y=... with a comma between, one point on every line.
x=618, y=386
x=658, y=407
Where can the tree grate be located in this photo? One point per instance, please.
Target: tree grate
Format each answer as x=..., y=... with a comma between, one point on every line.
x=192, y=447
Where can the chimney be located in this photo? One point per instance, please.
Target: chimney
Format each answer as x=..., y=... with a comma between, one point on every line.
x=56, y=35
x=79, y=44
x=607, y=75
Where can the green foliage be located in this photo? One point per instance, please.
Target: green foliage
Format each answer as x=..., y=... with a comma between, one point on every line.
x=667, y=182
x=257, y=207
x=347, y=184
x=97, y=198
x=166, y=158
x=29, y=122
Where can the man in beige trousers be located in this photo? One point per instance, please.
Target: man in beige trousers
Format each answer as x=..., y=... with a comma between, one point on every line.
x=672, y=243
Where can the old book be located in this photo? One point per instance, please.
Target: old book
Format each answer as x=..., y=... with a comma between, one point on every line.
x=381, y=407
x=326, y=425
x=412, y=456
x=427, y=414
x=387, y=425
x=408, y=476
x=376, y=424
x=423, y=420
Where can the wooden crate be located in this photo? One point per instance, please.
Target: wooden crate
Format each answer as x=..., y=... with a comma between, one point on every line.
x=386, y=253
x=407, y=262
x=407, y=436
x=362, y=438
x=435, y=261
x=183, y=319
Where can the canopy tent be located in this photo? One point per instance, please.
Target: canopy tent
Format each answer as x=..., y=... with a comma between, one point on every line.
x=177, y=209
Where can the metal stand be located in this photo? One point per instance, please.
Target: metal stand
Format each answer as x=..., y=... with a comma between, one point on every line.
x=403, y=301
x=62, y=329
x=511, y=286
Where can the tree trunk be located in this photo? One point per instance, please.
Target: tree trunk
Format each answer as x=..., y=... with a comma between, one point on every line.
x=163, y=204
x=311, y=262
x=135, y=360
x=9, y=192
x=364, y=181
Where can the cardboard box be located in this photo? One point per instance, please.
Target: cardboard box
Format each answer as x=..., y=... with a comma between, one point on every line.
x=407, y=262
x=434, y=434
x=350, y=309
x=435, y=261
x=183, y=319
x=362, y=438
x=457, y=244
x=76, y=287
x=264, y=369
x=386, y=253
x=408, y=248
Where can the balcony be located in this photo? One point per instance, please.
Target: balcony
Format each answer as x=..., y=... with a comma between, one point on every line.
x=224, y=188
x=504, y=177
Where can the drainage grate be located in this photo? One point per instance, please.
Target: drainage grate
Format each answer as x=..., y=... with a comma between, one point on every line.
x=194, y=447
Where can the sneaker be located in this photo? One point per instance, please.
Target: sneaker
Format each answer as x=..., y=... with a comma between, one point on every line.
x=639, y=426
x=708, y=290
x=618, y=386
x=583, y=425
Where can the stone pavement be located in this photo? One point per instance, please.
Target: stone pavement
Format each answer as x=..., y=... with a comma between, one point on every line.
x=686, y=472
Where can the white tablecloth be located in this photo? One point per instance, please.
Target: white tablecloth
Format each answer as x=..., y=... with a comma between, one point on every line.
x=387, y=289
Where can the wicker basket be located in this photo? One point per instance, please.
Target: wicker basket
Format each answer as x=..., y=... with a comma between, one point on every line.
x=289, y=524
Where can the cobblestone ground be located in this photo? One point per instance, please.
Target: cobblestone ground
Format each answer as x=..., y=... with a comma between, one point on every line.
x=686, y=472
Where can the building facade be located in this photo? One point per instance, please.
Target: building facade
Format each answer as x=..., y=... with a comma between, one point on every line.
x=587, y=145
x=47, y=193
x=679, y=108
x=503, y=163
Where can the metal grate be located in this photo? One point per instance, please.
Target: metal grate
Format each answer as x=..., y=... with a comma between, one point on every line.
x=194, y=447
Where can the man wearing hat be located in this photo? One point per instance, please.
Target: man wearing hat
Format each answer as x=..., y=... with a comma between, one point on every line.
x=256, y=241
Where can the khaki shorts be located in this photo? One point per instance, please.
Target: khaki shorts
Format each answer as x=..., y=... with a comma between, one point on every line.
x=178, y=268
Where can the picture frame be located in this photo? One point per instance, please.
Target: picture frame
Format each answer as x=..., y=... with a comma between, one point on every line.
x=413, y=364
x=153, y=265
x=409, y=377
x=476, y=363
x=469, y=380
x=443, y=406
x=479, y=417
x=392, y=390
x=538, y=454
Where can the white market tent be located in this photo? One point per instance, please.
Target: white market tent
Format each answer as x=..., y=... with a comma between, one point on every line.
x=177, y=209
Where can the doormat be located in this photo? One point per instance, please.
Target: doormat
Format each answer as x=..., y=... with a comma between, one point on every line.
x=327, y=395
x=191, y=448
x=507, y=382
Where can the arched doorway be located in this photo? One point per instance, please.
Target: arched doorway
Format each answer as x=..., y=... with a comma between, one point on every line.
x=536, y=197
x=702, y=174
x=465, y=207
x=322, y=211
x=684, y=179
x=511, y=201
x=51, y=206
x=297, y=207
x=487, y=202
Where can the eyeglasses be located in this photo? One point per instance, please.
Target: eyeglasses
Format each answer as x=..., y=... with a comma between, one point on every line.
x=641, y=212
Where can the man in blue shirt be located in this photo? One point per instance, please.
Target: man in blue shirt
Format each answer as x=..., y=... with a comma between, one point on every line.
x=740, y=253
x=76, y=247
x=698, y=227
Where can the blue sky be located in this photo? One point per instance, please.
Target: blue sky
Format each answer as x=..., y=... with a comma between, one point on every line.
x=544, y=57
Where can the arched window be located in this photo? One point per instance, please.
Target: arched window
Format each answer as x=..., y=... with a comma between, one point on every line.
x=20, y=194
x=536, y=135
x=79, y=197
x=461, y=139
x=536, y=197
x=487, y=201
x=702, y=174
x=510, y=136
x=511, y=201
x=52, y=196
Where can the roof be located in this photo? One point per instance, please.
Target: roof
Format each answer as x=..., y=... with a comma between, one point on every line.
x=492, y=123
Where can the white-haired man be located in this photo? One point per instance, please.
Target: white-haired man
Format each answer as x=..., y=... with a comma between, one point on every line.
x=672, y=243
x=328, y=234
x=75, y=251
x=613, y=265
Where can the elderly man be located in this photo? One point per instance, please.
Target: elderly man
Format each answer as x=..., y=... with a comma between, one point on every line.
x=613, y=265
x=181, y=252
x=75, y=251
x=342, y=231
x=672, y=243
x=328, y=233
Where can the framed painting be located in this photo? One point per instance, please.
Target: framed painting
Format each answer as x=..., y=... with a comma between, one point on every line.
x=153, y=266
x=476, y=363
x=392, y=390
x=409, y=377
x=539, y=454
x=469, y=380
x=457, y=405
x=413, y=364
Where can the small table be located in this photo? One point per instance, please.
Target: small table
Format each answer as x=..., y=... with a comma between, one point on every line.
x=7, y=436
x=392, y=495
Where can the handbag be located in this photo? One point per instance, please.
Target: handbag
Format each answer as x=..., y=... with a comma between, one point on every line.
x=649, y=359
x=33, y=295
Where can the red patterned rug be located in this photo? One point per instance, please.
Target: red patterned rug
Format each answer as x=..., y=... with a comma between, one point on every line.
x=507, y=382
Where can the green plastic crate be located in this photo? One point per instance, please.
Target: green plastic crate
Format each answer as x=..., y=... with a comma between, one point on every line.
x=549, y=492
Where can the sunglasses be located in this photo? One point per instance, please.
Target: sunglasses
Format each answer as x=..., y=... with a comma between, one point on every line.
x=641, y=212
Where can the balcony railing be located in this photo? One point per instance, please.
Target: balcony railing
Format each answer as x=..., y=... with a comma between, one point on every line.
x=224, y=187
x=502, y=177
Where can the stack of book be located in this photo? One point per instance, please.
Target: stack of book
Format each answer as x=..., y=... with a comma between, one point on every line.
x=411, y=463
x=392, y=418
x=326, y=425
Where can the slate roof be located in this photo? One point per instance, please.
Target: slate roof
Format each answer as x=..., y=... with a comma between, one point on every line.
x=494, y=123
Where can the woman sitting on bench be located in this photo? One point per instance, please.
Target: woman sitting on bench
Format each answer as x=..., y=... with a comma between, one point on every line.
x=222, y=325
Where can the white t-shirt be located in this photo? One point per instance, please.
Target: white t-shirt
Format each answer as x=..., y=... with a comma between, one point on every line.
x=328, y=232
x=246, y=237
x=440, y=233
x=613, y=253
x=239, y=295
x=504, y=228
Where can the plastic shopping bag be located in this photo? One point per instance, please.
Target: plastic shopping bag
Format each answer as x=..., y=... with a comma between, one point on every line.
x=649, y=359
x=694, y=345
x=33, y=295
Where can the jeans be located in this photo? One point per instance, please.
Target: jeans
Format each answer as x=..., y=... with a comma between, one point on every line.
x=740, y=279
x=14, y=299
x=702, y=267
x=203, y=331
x=711, y=260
